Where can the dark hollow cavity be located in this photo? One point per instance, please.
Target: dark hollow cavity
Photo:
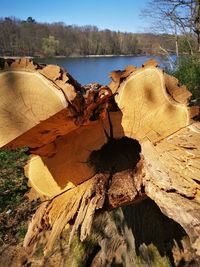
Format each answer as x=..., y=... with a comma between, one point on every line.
x=116, y=155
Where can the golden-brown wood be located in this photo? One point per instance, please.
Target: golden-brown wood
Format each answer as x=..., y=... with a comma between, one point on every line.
x=142, y=104
x=26, y=100
x=148, y=110
x=41, y=180
x=41, y=103
x=29, y=100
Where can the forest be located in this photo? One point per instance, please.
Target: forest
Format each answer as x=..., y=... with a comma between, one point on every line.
x=31, y=38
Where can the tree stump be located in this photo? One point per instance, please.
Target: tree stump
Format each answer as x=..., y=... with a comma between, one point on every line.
x=102, y=147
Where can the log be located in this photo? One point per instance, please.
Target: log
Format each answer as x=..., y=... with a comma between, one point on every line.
x=41, y=103
x=102, y=147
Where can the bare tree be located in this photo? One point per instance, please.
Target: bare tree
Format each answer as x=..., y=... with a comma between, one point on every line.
x=176, y=17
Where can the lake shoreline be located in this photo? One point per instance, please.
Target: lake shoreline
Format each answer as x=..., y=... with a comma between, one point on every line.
x=78, y=56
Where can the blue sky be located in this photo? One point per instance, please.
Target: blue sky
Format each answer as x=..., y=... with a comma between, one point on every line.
x=122, y=15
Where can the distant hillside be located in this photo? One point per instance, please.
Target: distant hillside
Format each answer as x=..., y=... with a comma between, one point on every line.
x=31, y=38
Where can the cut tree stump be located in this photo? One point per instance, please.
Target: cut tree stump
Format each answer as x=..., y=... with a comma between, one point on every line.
x=102, y=147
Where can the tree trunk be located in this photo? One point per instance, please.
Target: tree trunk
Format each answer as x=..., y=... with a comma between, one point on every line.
x=100, y=148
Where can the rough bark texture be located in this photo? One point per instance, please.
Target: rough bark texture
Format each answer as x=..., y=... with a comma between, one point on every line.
x=100, y=147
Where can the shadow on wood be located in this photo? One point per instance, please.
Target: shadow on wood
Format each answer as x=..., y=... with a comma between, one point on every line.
x=74, y=131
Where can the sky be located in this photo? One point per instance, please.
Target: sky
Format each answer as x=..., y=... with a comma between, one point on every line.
x=122, y=15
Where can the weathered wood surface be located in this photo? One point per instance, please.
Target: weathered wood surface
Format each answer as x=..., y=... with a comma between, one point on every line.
x=172, y=178
x=102, y=147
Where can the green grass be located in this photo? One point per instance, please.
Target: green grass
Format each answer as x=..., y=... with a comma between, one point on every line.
x=13, y=183
x=15, y=208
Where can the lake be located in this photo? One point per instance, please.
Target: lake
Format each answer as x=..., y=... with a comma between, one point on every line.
x=96, y=69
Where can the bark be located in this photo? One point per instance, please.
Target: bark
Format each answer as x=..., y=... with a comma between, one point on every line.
x=99, y=148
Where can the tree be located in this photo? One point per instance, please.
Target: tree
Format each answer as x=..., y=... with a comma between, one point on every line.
x=196, y=21
x=28, y=37
x=50, y=46
x=177, y=17
x=9, y=36
x=30, y=20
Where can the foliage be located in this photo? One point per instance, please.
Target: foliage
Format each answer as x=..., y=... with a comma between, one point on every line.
x=30, y=38
x=188, y=73
x=50, y=46
x=187, y=44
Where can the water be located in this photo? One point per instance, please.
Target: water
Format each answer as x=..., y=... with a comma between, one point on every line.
x=96, y=69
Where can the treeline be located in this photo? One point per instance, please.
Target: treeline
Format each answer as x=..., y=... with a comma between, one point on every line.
x=30, y=38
